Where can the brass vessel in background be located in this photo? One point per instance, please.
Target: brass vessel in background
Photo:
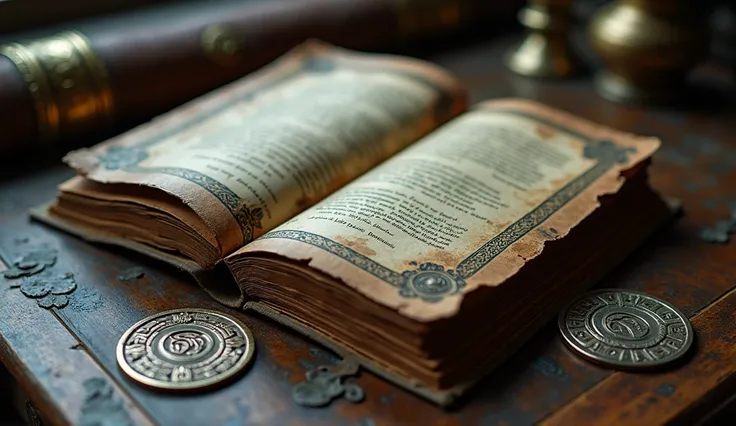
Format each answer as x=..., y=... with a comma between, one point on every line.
x=648, y=47
x=545, y=51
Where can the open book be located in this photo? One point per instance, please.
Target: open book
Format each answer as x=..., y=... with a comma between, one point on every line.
x=356, y=198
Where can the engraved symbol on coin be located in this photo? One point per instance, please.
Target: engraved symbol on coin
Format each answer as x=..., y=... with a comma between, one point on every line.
x=625, y=329
x=188, y=343
x=185, y=349
x=626, y=326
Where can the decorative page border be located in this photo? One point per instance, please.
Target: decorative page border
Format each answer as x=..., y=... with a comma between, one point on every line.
x=428, y=281
x=128, y=158
x=432, y=282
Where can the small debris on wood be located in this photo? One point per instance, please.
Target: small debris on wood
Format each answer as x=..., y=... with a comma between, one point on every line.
x=132, y=274
x=721, y=232
x=37, y=287
x=31, y=262
x=50, y=289
x=326, y=383
x=41, y=285
x=101, y=407
x=54, y=301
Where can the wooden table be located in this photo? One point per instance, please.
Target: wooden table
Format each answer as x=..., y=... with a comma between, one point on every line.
x=64, y=359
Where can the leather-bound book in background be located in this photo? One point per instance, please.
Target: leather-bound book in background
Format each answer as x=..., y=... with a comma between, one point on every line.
x=63, y=84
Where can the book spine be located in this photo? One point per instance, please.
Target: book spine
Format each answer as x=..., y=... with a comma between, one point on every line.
x=129, y=67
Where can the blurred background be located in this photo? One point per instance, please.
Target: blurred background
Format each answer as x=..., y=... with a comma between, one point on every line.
x=75, y=72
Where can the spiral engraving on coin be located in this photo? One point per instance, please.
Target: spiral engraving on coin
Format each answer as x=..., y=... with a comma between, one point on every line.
x=185, y=349
x=187, y=343
x=626, y=326
x=625, y=329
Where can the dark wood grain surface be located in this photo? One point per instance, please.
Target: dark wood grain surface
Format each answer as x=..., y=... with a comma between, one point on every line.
x=543, y=381
x=52, y=364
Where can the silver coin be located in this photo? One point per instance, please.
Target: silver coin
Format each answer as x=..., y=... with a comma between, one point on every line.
x=625, y=329
x=185, y=349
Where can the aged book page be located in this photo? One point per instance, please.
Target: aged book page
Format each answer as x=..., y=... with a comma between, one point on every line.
x=253, y=154
x=466, y=206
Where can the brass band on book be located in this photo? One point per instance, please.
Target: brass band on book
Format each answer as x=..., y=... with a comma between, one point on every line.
x=68, y=83
x=146, y=61
x=357, y=197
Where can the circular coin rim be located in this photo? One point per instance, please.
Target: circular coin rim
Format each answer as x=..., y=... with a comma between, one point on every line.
x=207, y=383
x=570, y=342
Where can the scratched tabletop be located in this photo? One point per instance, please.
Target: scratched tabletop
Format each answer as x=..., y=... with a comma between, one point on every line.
x=63, y=359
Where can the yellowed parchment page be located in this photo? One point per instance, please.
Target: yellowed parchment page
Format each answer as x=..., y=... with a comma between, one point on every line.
x=253, y=154
x=466, y=206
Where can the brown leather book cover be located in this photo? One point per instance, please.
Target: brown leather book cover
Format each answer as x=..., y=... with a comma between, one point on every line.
x=66, y=83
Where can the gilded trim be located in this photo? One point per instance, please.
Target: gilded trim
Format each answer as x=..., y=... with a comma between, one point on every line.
x=222, y=46
x=68, y=83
